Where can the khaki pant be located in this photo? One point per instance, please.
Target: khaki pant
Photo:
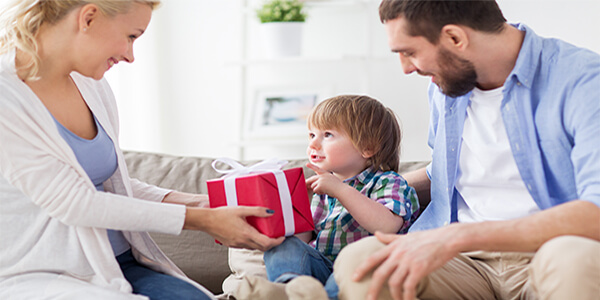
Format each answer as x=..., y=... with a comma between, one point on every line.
x=566, y=267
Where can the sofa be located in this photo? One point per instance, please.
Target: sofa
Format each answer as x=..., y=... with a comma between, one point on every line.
x=196, y=253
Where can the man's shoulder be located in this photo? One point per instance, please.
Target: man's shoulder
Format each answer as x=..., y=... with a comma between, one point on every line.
x=556, y=54
x=553, y=61
x=566, y=68
x=560, y=53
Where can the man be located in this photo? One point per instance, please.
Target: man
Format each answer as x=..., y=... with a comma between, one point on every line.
x=515, y=174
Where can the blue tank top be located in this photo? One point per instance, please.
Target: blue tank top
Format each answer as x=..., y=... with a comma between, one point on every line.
x=99, y=160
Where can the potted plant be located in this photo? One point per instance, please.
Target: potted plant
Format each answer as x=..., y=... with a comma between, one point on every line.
x=281, y=27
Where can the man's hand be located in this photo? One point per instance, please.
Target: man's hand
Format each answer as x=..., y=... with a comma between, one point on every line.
x=409, y=258
x=324, y=182
x=229, y=226
x=406, y=260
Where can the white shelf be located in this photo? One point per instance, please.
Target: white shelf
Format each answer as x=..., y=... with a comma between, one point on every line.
x=354, y=63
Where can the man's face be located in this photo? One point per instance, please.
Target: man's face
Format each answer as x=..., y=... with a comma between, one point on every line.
x=457, y=76
x=454, y=75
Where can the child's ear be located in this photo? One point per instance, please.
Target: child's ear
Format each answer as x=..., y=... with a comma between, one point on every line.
x=367, y=153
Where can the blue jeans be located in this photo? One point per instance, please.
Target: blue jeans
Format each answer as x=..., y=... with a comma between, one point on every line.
x=293, y=258
x=155, y=285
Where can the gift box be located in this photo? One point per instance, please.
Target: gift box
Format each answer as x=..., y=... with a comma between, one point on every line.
x=283, y=191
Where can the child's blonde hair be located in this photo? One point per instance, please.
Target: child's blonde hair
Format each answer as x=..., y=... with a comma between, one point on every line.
x=370, y=125
x=21, y=20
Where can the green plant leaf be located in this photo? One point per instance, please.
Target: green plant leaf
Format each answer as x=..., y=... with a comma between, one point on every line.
x=281, y=11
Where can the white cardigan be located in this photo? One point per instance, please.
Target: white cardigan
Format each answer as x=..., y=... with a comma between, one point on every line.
x=52, y=219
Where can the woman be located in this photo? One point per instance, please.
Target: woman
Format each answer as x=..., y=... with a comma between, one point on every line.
x=63, y=180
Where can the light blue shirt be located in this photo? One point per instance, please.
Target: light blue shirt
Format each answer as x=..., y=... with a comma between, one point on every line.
x=551, y=111
x=99, y=160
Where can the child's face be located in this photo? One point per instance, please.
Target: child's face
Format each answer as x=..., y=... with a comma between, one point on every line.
x=333, y=151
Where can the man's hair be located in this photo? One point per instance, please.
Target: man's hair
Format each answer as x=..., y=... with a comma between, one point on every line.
x=427, y=18
x=369, y=124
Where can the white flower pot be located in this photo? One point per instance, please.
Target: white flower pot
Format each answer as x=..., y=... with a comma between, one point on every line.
x=282, y=39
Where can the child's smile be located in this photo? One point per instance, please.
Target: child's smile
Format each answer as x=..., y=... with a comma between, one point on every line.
x=315, y=158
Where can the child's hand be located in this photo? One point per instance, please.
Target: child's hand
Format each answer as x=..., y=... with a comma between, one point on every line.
x=324, y=182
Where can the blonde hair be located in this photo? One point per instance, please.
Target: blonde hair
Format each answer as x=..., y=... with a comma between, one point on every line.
x=369, y=124
x=21, y=20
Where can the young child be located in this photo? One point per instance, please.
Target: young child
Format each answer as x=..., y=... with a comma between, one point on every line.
x=354, y=145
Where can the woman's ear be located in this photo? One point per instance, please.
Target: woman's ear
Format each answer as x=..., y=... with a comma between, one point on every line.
x=87, y=16
x=454, y=37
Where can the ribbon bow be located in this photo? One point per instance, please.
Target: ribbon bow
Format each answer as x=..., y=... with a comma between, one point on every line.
x=237, y=169
x=272, y=165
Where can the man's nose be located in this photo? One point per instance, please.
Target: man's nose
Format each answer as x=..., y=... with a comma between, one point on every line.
x=407, y=65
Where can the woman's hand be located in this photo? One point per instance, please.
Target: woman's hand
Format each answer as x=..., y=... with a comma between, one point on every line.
x=187, y=199
x=229, y=226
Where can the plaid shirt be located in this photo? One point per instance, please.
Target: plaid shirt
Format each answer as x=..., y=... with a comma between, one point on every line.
x=336, y=228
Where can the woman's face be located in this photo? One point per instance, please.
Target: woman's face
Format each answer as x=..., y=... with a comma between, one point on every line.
x=109, y=40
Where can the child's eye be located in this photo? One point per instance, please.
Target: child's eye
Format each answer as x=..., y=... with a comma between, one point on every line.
x=311, y=135
x=328, y=134
x=132, y=37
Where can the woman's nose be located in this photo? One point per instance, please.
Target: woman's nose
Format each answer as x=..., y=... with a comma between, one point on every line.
x=128, y=57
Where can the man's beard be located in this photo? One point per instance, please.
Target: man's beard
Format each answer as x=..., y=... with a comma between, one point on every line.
x=457, y=76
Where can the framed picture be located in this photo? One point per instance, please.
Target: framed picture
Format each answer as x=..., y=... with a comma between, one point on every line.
x=282, y=112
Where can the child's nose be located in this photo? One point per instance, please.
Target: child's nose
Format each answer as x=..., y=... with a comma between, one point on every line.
x=314, y=144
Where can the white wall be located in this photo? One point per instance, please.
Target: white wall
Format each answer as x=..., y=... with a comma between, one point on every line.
x=183, y=95
x=179, y=97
